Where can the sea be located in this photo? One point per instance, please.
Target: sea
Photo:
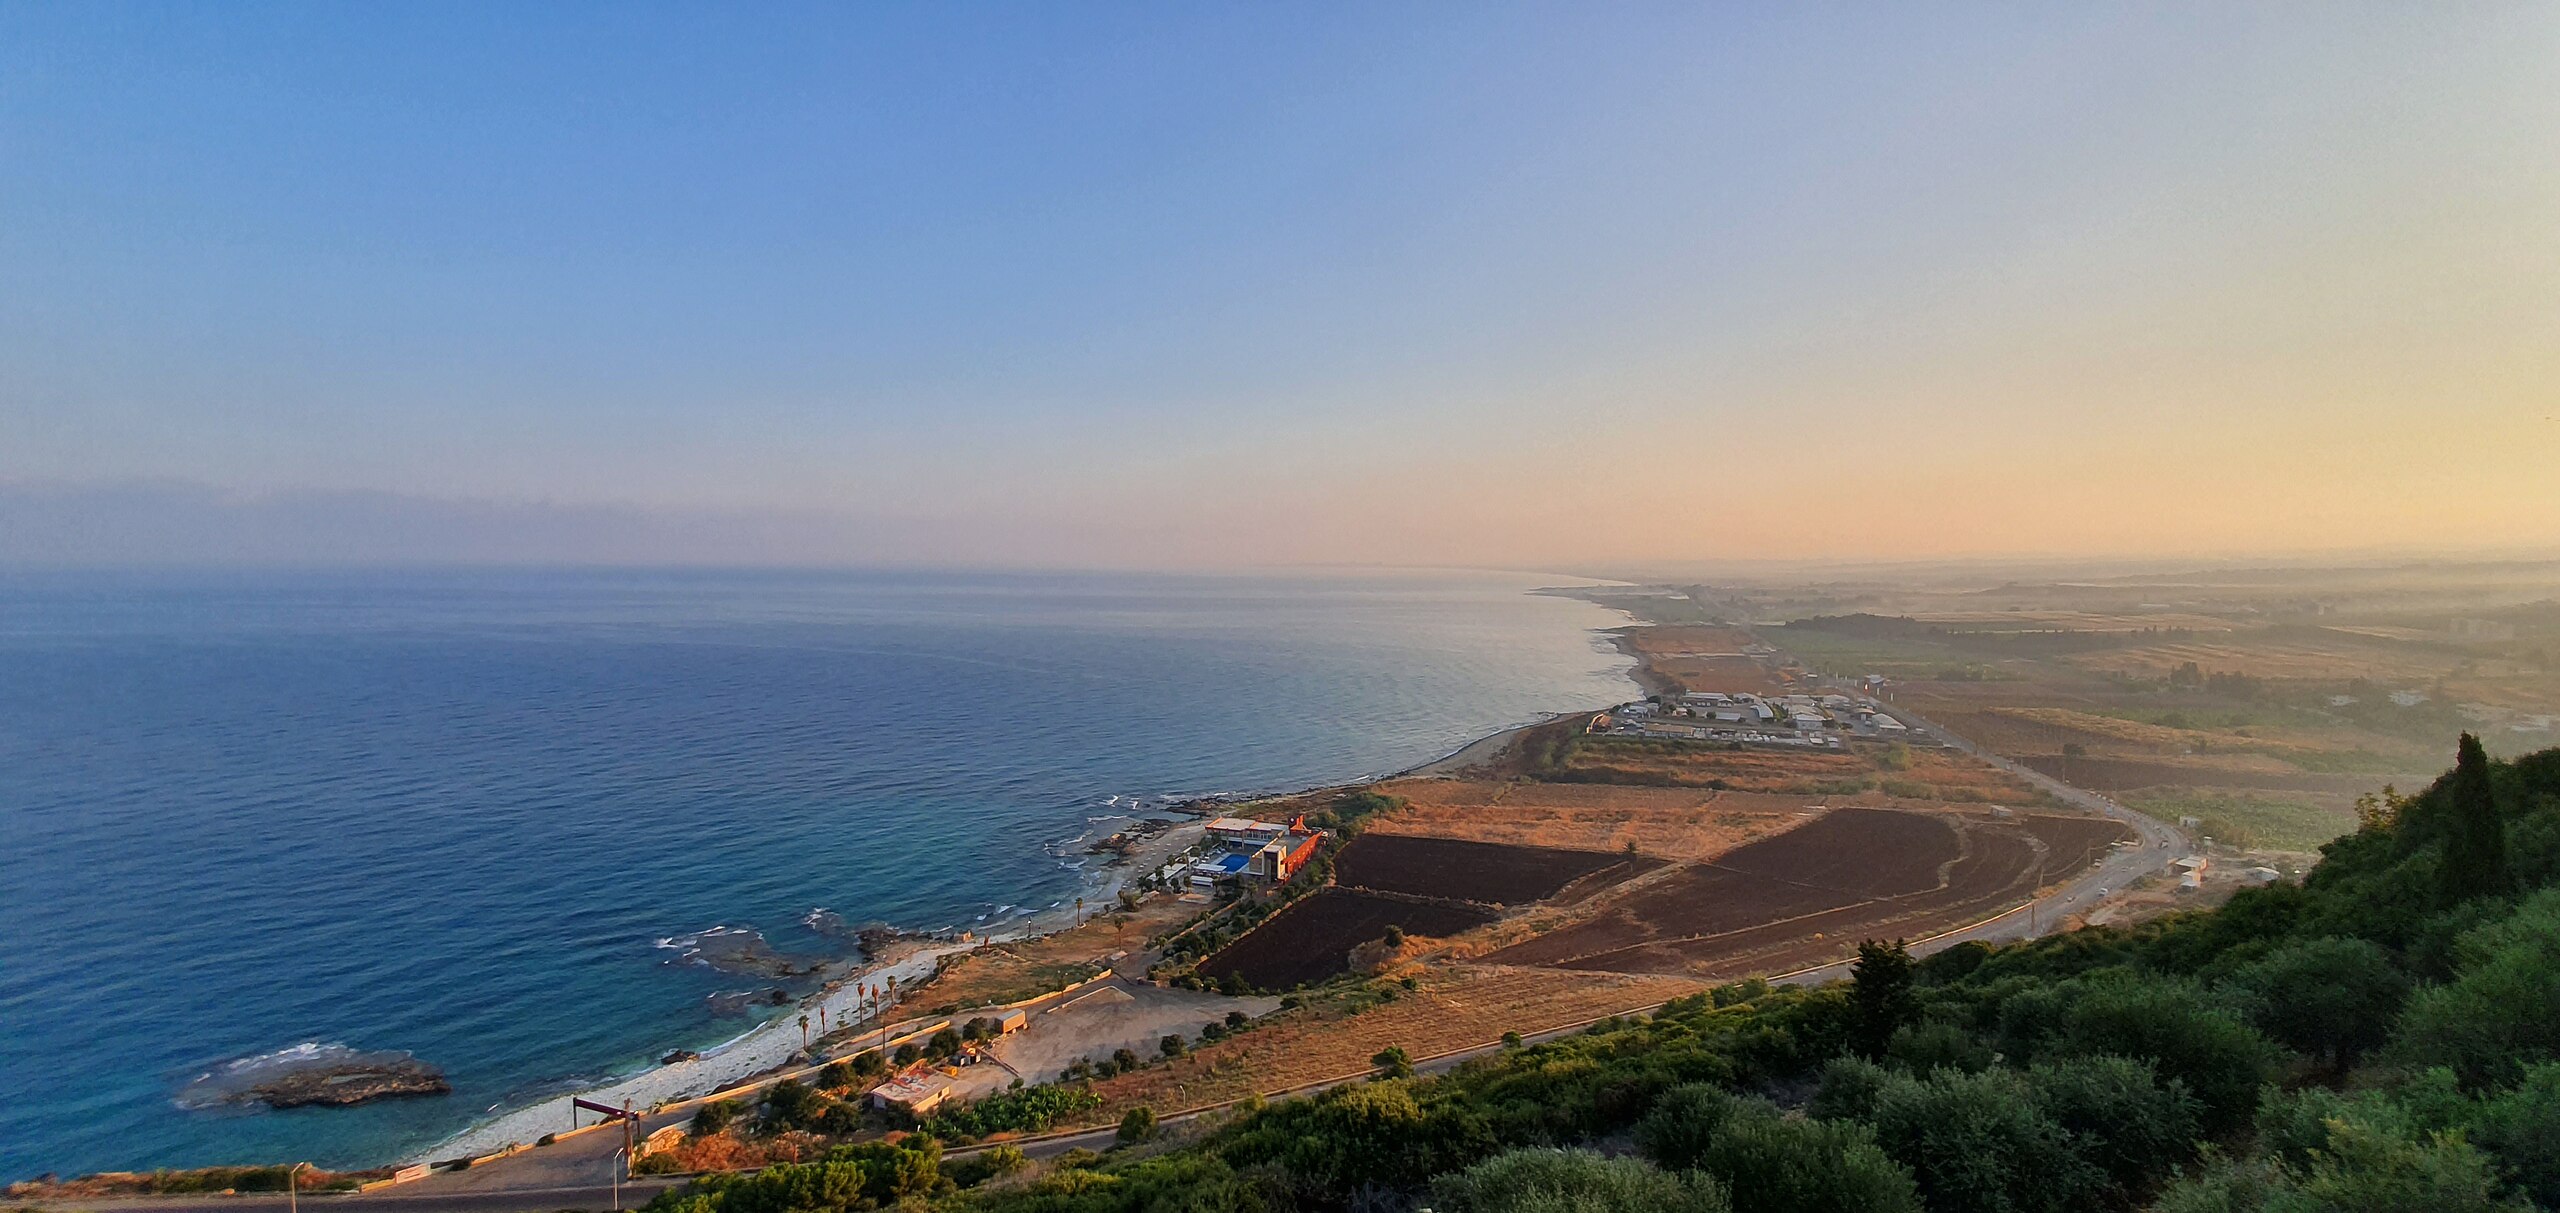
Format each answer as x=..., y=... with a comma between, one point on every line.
x=487, y=817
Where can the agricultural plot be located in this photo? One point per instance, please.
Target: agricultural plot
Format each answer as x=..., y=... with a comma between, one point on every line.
x=2295, y=822
x=1704, y=658
x=1484, y=872
x=2072, y=843
x=1861, y=852
x=1806, y=896
x=1312, y=939
x=1915, y=773
x=1669, y=823
x=2336, y=662
x=2126, y=774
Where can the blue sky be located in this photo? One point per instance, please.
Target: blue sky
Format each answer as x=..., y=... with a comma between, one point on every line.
x=1177, y=285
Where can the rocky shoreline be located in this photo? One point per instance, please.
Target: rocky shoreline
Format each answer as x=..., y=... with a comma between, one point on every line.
x=342, y=1084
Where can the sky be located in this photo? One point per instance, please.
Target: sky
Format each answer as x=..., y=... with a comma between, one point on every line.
x=1172, y=286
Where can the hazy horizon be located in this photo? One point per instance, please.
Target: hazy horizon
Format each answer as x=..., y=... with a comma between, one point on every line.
x=1522, y=287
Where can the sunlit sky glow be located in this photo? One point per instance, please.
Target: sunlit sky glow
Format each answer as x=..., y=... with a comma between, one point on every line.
x=1189, y=285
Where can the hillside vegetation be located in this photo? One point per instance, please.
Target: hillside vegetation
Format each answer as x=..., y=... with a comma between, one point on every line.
x=2384, y=1036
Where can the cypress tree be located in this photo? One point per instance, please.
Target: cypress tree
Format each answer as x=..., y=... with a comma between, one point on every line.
x=2475, y=854
x=1880, y=990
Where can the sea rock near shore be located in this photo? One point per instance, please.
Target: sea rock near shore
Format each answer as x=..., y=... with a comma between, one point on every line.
x=339, y=1086
x=314, y=1075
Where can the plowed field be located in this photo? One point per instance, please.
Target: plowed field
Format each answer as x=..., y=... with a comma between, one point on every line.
x=1312, y=939
x=2072, y=843
x=1807, y=896
x=1485, y=872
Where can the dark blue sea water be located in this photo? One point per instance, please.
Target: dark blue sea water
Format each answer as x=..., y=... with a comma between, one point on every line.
x=453, y=813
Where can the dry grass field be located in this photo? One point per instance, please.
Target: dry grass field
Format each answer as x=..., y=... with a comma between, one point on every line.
x=1696, y=657
x=1672, y=823
x=1455, y=1007
x=1913, y=773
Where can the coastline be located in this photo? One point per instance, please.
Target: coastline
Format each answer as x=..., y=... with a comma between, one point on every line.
x=770, y=1045
x=969, y=822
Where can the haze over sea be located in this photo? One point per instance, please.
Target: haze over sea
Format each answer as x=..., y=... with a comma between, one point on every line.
x=455, y=813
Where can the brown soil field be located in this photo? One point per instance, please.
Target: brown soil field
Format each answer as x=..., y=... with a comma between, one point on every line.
x=1863, y=852
x=1806, y=897
x=1008, y=972
x=1672, y=823
x=1483, y=872
x=1312, y=938
x=1455, y=1008
x=2071, y=843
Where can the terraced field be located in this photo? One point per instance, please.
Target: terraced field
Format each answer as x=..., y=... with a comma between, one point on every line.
x=1807, y=896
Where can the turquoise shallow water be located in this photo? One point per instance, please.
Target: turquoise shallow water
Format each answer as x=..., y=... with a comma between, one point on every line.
x=457, y=813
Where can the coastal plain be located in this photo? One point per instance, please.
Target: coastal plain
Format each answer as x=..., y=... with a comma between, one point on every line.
x=1599, y=863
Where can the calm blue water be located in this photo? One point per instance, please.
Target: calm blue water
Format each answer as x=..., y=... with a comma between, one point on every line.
x=453, y=813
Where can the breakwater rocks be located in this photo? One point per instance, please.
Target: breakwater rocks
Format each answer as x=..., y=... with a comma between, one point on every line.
x=313, y=1075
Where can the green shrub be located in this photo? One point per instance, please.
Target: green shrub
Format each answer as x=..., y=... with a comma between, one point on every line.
x=1683, y=1123
x=1774, y=1164
x=1977, y=1143
x=712, y=1117
x=986, y=1164
x=2331, y=998
x=1574, y=1181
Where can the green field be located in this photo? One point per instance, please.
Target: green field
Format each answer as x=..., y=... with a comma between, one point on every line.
x=2250, y=821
